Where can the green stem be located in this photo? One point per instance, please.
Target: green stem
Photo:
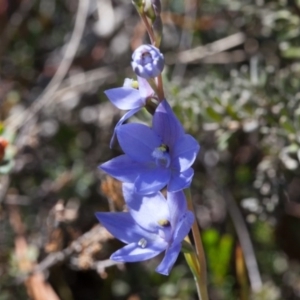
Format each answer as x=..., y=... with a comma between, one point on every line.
x=190, y=259
x=196, y=261
x=193, y=262
x=160, y=88
x=157, y=86
x=201, y=278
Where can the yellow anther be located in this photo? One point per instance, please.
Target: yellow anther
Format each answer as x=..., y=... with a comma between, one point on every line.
x=163, y=222
x=135, y=84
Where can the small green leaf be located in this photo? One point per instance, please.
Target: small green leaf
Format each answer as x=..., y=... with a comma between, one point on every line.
x=291, y=52
x=214, y=115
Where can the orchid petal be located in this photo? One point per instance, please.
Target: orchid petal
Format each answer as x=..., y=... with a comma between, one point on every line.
x=122, y=226
x=166, y=124
x=177, y=206
x=144, y=88
x=134, y=253
x=144, y=209
x=121, y=121
x=183, y=227
x=125, y=98
x=138, y=141
x=184, y=152
x=152, y=181
x=123, y=168
x=180, y=181
x=169, y=259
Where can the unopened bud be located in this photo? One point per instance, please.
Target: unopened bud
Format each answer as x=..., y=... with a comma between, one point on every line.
x=152, y=8
x=147, y=61
x=149, y=12
x=143, y=6
x=139, y=5
x=156, y=4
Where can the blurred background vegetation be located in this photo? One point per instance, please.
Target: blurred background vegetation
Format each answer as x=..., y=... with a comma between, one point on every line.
x=233, y=77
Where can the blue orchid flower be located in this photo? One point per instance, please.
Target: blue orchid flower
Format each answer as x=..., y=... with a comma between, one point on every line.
x=151, y=226
x=155, y=157
x=129, y=98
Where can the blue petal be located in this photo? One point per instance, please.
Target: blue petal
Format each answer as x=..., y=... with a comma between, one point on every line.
x=134, y=253
x=152, y=181
x=177, y=206
x=139, y=70
x=123, y=168
x=159, y=65
x=144, y=88
x=123, y=227
x=184, y=152
x=147, y=211
x=183, y=227
x=168, y=261
x=180, y=181
x=166, y=124
x=121, y=121
x=125, y=98
x=138, y=141
x=129, y=195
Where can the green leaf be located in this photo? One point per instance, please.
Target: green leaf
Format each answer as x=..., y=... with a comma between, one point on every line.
x=292, y=52
x=214, y=115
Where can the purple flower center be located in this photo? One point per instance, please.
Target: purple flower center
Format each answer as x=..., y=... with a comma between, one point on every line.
x=162, y=156
x=146, y=58
x=164, y=222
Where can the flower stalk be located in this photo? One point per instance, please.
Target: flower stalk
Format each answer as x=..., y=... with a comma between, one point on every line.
x=155, y=158
x=149, y=29
x=160, y=88
x=201, y=278
x=193, y=263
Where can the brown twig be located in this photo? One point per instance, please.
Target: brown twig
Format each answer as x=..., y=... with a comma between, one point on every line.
x=226, y=57
x=197, y=53
x=96, y=234
x=242, y=233
x=202, y=277
x=37, y=287
x=245, y=241
x=83, y=82
x=183, y=21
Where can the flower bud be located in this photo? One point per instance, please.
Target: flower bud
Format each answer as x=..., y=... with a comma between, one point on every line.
x=156, y=4
x=152, y=9
x=139, y=4
x=147, y=61
x=157, y=29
